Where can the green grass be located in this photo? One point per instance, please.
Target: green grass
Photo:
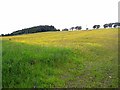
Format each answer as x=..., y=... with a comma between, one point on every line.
x=80, y=59
x=24, y=65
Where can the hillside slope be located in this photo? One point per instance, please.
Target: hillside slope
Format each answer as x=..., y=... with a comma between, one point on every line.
x=61, y=59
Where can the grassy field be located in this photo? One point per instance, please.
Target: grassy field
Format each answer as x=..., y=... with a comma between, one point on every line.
x=71, y=59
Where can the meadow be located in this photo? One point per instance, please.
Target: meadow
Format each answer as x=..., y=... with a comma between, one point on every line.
x=67, y=59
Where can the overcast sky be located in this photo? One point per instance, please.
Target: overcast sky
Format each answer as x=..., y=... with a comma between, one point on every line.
x=19, y=14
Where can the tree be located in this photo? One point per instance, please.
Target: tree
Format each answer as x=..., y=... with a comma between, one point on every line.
x=115, y=26
x=35, y=29
x=76, y=27
x=105, y=25
x=98, y=26
x=65, y=29
x=79, y=27
x=58, y=29
x=2, y=35
x=86, y=28
x=94, y=27
x=110, y=25
x=71, y=28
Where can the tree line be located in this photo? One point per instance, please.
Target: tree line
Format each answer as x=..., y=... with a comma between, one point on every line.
x=108, y=25
x=73, y=28
x=41, y=28
x=45, y=28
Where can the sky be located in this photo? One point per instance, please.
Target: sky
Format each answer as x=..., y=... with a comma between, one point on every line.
x=19, y=14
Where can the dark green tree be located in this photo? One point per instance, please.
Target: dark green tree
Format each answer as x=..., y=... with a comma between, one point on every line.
x=65, y=29
x=71, y=28
x=98, y=26
x=105, y=25
x=94, y=27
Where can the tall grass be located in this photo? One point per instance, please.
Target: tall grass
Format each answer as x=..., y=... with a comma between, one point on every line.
x=61, y=59
x=24, y=65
